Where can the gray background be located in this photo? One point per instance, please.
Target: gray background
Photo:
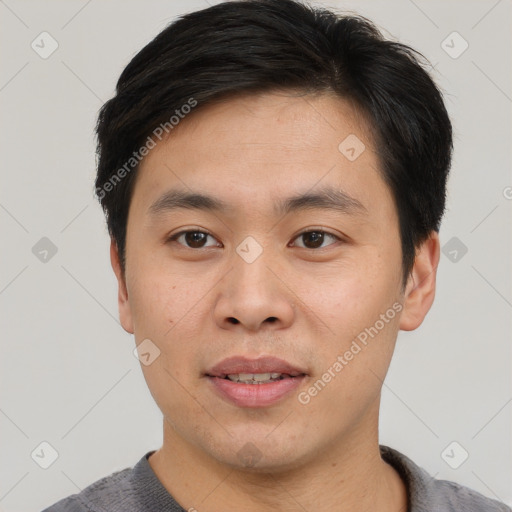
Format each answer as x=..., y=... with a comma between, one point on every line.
x=69, y=377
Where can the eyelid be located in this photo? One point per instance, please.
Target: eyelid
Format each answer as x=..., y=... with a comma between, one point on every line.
x=316, y=229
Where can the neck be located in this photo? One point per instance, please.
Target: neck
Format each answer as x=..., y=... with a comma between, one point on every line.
x=350, y=476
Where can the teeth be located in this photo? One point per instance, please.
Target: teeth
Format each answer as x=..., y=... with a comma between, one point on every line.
x=255, y=378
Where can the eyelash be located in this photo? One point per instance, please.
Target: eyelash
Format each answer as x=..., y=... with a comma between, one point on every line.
x=174, y=237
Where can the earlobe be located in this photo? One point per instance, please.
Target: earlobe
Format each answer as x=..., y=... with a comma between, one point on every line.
x=421, y=285
x=125, y=314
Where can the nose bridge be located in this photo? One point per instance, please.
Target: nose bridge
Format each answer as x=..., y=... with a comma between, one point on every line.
x=252, y=293
x=251, y=272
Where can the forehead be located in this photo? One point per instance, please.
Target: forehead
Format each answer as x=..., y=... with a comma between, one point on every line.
x=263, y=146
x=288, y=120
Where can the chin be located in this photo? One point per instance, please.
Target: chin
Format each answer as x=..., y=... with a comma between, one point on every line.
x=262, y=450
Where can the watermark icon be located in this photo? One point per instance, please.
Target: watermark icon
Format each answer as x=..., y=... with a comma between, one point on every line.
x=44, y=45
x=249, y=249
x=137, y=156
x=507, y=192
x=454, y=455
x=454, y=45
x=351, y=147
x=249, y=455
x=304, y=397
x=44, y=454
x=44, y=250
x=146, y=352
x=454, y=249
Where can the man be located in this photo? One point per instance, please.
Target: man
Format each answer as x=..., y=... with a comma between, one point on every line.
x=273, y=178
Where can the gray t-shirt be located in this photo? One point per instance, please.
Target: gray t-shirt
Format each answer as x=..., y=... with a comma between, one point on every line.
x=138, y=489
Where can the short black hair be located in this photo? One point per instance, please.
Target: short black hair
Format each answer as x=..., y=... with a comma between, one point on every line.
x=254, y=46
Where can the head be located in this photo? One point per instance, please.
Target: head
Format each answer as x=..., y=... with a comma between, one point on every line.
x=307, y=156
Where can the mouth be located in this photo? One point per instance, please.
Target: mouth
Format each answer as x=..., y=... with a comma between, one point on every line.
x=274, y=367
x=260, y=378
x=254, y=382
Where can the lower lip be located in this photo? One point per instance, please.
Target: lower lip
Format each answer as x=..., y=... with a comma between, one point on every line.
x=255, y=395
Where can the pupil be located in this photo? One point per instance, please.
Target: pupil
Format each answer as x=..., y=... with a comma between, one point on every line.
x=195, y=238
x=316, y=237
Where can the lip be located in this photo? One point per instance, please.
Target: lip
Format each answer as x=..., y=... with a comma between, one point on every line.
x=240, y=364
x=254, y=395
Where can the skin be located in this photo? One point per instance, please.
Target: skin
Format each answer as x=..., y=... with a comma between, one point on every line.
x=251, y=151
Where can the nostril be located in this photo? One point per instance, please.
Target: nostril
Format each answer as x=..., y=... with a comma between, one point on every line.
x=271, y=319
x=233, y=320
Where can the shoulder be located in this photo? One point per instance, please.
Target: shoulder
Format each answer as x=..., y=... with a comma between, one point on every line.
x=115, y=488
x=427, y=494
x=456, y=497
x=134, y=489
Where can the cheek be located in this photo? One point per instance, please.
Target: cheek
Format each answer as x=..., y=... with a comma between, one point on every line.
x=353, y=367
x=359, y=315
x=159, y=299
x=165, y=308
x=350, y=296
x=164, y=314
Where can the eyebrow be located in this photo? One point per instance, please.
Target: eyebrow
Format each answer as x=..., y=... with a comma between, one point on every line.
x=327, y=198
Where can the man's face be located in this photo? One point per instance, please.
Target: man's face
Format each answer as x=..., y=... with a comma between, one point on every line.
x=262, y=281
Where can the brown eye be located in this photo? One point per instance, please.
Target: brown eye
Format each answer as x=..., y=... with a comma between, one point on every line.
x=315, y=239
x=193, y=239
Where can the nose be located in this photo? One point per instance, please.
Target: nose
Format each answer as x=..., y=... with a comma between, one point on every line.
x=254, y=294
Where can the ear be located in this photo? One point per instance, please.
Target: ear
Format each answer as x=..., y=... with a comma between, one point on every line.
x=421, y=284
x=125, y=313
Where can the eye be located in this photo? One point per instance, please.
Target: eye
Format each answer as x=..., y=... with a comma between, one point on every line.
x=192, y=239
x=315, y=238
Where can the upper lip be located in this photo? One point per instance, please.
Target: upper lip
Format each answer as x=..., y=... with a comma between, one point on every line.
x=240, y=364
